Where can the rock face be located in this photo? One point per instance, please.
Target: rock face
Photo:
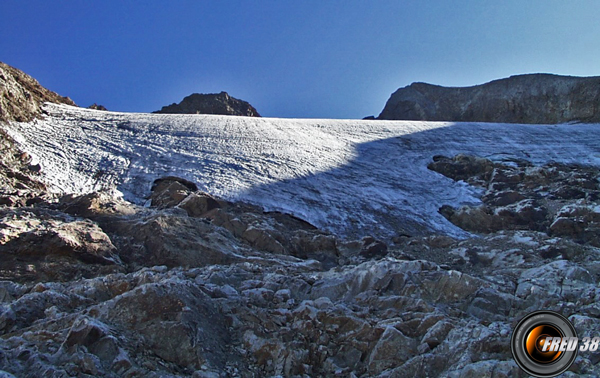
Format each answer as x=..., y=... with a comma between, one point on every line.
x=214, y=103
x=21, y=95
x=534, y=98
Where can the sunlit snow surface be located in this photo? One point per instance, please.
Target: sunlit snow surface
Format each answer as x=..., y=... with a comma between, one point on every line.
x=351, y=177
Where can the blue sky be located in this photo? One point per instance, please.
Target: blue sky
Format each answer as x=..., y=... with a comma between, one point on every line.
x=316, y=59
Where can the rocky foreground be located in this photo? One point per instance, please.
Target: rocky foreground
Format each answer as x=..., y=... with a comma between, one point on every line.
x=192, y=285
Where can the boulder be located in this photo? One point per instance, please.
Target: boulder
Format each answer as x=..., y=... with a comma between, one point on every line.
x=95, y=205
x=503, y=198
x=373, y=248
x=170, y=191
x=176, y=321
x=198, y=204
x=174, y=240
x=475, y=219
x=392, y=349
x=35, y=249
x=462, y=167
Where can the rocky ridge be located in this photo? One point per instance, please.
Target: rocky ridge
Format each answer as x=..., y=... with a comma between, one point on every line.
x=21, y=96
x=213, y=103
x=533, y=98
x=192, y=285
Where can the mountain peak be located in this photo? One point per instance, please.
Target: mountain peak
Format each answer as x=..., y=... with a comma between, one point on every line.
x=211, y=103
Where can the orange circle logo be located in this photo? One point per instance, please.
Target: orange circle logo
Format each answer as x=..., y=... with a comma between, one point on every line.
x=541, y=344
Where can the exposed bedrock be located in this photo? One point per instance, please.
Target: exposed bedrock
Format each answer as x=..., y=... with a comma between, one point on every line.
x=533, y=98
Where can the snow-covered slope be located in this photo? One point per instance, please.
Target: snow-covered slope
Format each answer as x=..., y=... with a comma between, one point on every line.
x=348, y=176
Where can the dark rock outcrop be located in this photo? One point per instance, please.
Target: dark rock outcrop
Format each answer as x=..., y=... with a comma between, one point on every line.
x=558, y=199
x=213, y=103
x=95, y=106
x=21, y=95
x=533, y=98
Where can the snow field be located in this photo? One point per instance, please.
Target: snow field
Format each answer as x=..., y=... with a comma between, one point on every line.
x=350, y=177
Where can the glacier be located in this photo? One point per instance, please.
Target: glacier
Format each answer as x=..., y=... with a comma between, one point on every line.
x=350, y=177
